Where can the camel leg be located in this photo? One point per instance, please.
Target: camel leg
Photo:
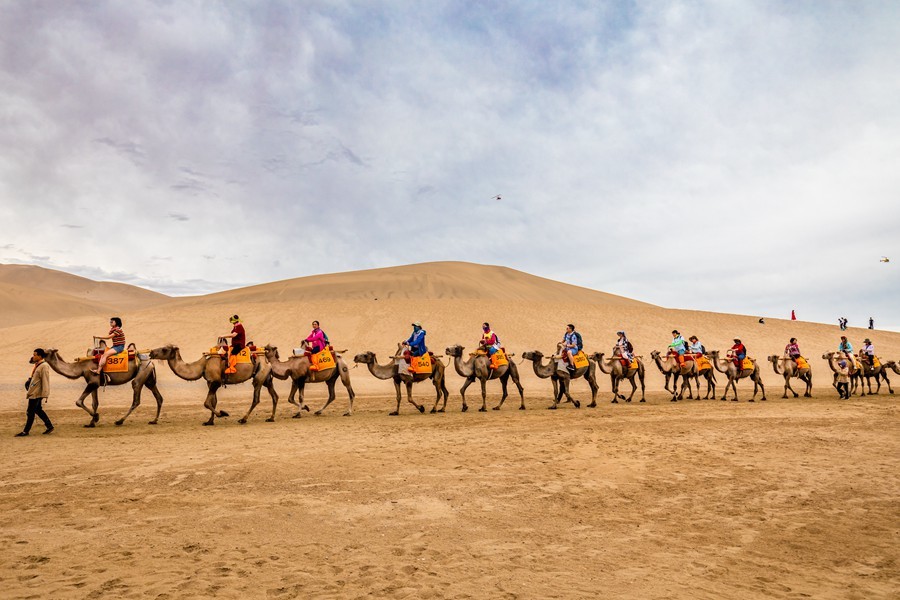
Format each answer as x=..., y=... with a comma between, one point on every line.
x=462, y=391
x=808, y=381
x=612, y=383
x=270, y=386
x=568, y=394
x=89, y=389
x=409, y=398
x=559, y=388
x=159, y=400
x=758, y=381
x=331, y=397
x=595, y=387
x=515, y=378
x=437, y=395
x=641, y=379
x=555, y=382
x=886, y=381
x=504, y=381
x=787, y=386
x=257, y=389
x=211, y=402
x=634, y=388
x=137, y=385
x=397, y=389
x=345, y=380
x=483, y=383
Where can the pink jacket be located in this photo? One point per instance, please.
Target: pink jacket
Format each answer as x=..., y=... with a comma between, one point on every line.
x=316, y=338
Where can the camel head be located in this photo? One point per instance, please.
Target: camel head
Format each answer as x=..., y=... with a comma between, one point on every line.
x=454, y=351
x=366, y=358
x=714, y=354
x=596, y=356
x=654, y=354
x=828, y=355
x=272, y=351
x=165, y=353
x=533, y=355
x=774, y=358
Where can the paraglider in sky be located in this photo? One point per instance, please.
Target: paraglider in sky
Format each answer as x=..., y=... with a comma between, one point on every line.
x=883, y=258
x=497, y=197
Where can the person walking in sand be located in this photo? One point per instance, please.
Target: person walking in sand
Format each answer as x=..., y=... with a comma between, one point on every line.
x=118, y=343
x=38, y=390
x=871, y=323
x=843, y=380
x=793, y=315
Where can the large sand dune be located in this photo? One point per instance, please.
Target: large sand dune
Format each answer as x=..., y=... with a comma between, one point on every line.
x=783, y=499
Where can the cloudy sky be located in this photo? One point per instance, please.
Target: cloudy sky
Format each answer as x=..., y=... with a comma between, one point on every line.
x=730, y=156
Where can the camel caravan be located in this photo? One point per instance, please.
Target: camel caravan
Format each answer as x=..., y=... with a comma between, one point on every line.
x=235, y=360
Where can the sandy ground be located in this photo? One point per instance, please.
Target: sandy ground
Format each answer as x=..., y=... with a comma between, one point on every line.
x=783, y=499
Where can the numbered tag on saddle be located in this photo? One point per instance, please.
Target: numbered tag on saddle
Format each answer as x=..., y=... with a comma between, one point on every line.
x=322, y=361
x=420, y=364
x=244, y=356
x=747, y=365
x=117, y=363
x=580, y=360
x=499, y=359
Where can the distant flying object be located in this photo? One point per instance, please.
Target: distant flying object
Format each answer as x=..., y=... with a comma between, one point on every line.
x=497, y=197
x=885, y=259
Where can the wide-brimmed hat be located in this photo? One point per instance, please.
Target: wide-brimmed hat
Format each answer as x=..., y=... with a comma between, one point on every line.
x=417, y=324
x=867, y=341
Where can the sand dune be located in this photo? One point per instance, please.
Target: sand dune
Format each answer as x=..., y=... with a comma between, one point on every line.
x=782, y=499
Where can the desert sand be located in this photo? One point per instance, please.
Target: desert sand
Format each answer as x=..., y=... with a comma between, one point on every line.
x=786, y=498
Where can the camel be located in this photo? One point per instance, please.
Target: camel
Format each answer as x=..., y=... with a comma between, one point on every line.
x=562, y=378
x=392, y=371
x=617, y=373
x=687, y=371
x=855, y=374
x=140, y=373
x=788, y=370
x=892, y=364
x=297, y=369
x=727, y=366
x=211, y=367
x=878, y=373
x=478, y=367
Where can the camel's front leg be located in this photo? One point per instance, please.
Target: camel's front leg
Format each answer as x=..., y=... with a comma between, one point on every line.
x=397, y=389
x=462, y=391
x=409, y=386
x=787, y=386
x=270, y=386
x=211, y=402
x=483, y=395
x=594, y=389
x=90, y=389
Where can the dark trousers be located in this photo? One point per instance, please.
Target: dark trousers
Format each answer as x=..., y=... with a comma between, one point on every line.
x=35, y=408
x=843, y=390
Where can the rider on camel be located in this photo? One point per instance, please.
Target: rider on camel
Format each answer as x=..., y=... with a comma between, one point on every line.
x=792, y=350
x=118, y=343
x=238, y=339
x=415, y=344
x=490, y=343
x=678, y=347
x=316, y=341
x=739, y=352
x=624, y=348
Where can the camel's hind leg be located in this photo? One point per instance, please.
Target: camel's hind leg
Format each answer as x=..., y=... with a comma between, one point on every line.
x=137, y=384
x=514, y=375
x=504, y=383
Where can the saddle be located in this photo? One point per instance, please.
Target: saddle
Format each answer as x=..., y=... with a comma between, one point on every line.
x=421, y=364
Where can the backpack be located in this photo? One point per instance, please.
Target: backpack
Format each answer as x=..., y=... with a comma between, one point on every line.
x=578, y=341
x=628, y=346
x=325, y=335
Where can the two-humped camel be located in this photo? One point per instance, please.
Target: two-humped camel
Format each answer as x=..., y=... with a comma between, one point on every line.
x=878, y=373
x=789, y=370
x=727, y=366
x=617, y=372
x=562, y=378
x=141, y=374
x=297, y=368
x=392, y=371
x=211, y=367
x=479, y=367
x=686, y=370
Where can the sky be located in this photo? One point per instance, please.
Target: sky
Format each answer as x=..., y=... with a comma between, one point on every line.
x=731, y=156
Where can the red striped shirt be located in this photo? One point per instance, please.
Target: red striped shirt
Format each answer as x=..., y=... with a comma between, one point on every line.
x=118, y=336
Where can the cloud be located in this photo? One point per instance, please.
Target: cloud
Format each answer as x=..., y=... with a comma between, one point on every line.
x=688, y=154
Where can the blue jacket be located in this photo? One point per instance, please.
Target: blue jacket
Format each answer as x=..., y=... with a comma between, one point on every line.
x=416, y=343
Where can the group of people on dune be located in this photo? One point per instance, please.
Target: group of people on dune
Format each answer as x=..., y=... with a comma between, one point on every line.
x=572, y=343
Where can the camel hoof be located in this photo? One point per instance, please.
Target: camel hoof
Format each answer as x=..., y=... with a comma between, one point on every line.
x=551, y=407
x=318, y=413
x=222, y=413
x=270, y=420
x=734, y=399
x=242, y=421
x=752, y=400
x=642, y=400
x=120, y=421
x=762, y=399
x=393, y=414
x=208, y=423
x=296, y=416
x=151, y=423
x=482, y=409
x=465, y=408
x=91, y=424
x=614, y=401
x=628, y=400
x=346, y=414
x=592, y=405
x=496, y=408
x=441, y=410
x=674, y=400
x=421, y=409
x=95, y=418
x=522, y=407
x=796, y=396
x=577, y=404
